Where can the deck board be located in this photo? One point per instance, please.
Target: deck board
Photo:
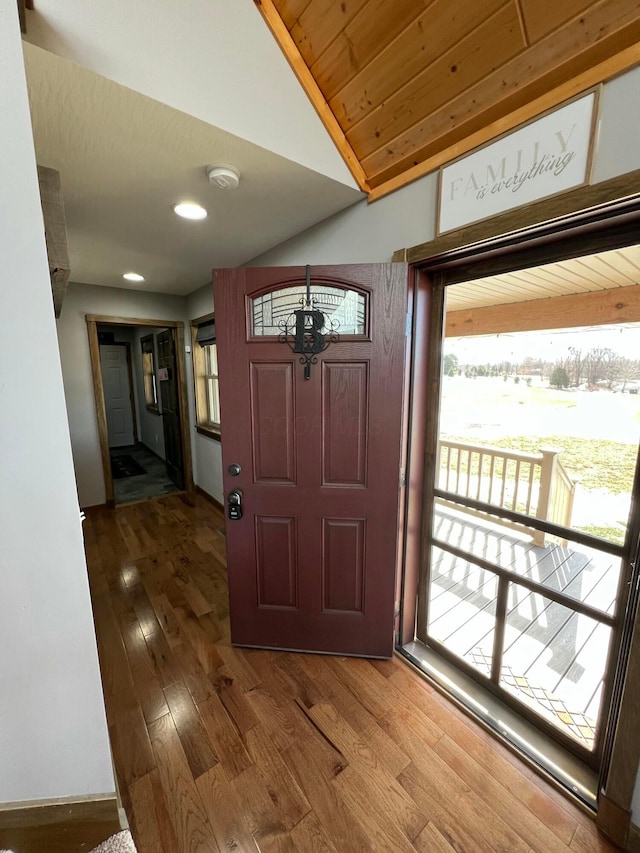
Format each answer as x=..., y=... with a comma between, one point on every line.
x=554, y=659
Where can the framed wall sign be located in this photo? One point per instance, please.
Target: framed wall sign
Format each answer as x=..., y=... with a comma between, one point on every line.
x=547, y=156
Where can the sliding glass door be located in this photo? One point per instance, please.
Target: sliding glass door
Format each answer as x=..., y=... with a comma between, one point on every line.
x=528, y=560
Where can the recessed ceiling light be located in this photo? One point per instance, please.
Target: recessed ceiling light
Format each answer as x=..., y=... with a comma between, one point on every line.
x=189, y=210
x=133, y=276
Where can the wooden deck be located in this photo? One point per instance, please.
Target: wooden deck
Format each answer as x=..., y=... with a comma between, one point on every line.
x=553, y=658
x=220, y=748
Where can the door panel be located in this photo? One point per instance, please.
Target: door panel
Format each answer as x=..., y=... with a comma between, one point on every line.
x=312, y=562
x=117, y=394
x=345, y=406
x=169, y=399
x=272, y=423
x=343, y=565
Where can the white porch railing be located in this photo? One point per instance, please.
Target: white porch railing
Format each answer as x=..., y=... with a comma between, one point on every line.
x=536, y=484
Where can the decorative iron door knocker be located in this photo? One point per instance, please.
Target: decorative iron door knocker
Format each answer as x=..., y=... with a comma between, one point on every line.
x=302, y=330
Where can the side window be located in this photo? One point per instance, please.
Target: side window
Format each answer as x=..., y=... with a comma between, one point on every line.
x=205, y=373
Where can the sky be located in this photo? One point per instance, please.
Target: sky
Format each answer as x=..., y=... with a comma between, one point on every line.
x=550, y=346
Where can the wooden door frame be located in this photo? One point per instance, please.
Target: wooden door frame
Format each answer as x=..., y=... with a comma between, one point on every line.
x=608, y=216
x=93, y=320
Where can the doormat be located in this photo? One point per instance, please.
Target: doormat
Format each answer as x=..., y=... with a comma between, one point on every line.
x=120, y=843
x=125, y=466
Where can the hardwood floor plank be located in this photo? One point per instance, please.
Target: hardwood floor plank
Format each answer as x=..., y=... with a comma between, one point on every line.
x=368, y=687
x=258, y=808
x=233, y=699
x=226, y=737
x=168, y=620
x=305, y=688
x=190, y=822
x=460, y=815
x=225, y=811
x=334, y=691
x=315, y=766
x=587, y=839
x=164, y=661
x=390, y=755
x=151, y=825
x=377, y=783
x=503, y=801
x=200, y=640
x=404, y=723
x=283, y=722
x=283, y=789
x=380, y=824
x=431, y=840
x=238, y=665
x=144, y=609
x=292, y=752
x=310, y=837
x=197, y=746
x=196, y=600
x=147, y=687
x=130, y=742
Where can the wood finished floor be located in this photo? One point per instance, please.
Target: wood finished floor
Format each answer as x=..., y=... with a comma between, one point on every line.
x=224, y=749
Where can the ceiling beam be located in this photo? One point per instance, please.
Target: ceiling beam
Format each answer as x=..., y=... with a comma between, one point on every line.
x=597, y=308
x=299, y=67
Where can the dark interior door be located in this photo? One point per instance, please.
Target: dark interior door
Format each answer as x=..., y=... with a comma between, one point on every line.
x=312, y=560
x=169, y=399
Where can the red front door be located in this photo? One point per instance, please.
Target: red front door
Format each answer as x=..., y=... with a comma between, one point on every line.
x=312, y=560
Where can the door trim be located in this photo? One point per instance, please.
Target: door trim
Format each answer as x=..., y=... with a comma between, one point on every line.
x=611, y=221
x=93, y=320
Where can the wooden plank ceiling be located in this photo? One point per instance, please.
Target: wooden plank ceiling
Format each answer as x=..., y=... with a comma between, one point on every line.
x=615, y=268
x=594, y=290
x=404, y=85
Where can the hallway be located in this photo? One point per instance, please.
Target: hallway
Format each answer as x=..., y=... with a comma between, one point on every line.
x=221, y=748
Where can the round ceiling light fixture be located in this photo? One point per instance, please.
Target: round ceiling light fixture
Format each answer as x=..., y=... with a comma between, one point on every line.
x=133, y=276
x=190, y=210
x=224, y=177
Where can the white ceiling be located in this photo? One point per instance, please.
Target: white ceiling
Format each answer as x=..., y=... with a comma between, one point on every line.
x=125, y=159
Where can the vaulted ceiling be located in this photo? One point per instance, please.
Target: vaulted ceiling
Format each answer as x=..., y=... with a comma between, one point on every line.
x=405, y=85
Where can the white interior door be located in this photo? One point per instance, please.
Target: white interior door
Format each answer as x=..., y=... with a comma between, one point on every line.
x=117, y=395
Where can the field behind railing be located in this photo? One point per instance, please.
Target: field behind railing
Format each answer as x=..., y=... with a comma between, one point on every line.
x=596, y=431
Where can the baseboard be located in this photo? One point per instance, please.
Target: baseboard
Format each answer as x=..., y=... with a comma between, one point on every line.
x=210, y=498
x=613, y=820
x=633, y=844
x=58, y=826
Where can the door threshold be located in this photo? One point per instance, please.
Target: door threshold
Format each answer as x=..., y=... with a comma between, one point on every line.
x=558, y=765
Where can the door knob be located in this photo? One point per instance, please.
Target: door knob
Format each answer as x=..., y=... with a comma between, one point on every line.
x=234, y=469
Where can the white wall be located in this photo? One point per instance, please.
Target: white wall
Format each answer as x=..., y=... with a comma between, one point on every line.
x=364, y=233
x=165, y=49
x=53, y=735
x=618, y=150
x=82, y=299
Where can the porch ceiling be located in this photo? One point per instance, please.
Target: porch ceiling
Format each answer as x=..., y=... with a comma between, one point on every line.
x=405, y=86
x=604, y=271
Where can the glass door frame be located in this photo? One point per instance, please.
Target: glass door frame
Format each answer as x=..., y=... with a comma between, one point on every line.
x=611, y=225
